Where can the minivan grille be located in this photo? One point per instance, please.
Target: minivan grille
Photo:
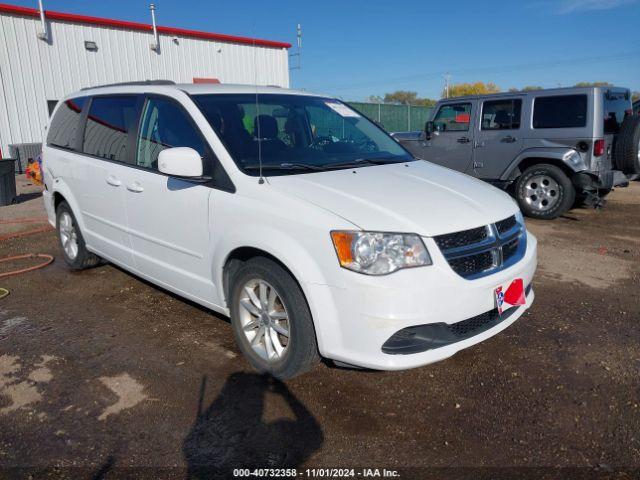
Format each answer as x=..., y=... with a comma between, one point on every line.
x=484, y=250
x=460, y=239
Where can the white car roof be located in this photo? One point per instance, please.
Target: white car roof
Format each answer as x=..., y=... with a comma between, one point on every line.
x=190, y=88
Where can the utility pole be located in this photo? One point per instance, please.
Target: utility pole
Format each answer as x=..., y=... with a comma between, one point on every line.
x=299, y=52
x=447, y=79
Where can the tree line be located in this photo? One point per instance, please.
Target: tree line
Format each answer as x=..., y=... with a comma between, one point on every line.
x=407, y=97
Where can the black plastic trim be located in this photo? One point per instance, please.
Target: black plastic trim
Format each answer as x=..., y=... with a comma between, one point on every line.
x=421, y=338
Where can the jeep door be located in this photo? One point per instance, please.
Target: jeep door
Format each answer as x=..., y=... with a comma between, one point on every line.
x=498, y=138
x=451, y=144
x=169, y=217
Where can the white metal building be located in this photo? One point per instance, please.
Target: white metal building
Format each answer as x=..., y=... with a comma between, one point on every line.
x=42, y=62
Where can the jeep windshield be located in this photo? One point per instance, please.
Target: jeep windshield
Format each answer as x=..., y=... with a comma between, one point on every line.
x=294, y=134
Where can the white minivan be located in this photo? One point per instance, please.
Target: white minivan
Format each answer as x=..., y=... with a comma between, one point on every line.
x=293, y=214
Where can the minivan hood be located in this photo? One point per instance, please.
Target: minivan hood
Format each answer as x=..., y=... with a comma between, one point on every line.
x=413, y=197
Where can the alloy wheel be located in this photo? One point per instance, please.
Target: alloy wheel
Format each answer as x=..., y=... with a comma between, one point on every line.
x=68, y=235
x=264, y=320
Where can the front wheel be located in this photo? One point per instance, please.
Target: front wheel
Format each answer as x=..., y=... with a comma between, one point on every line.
x=544, y=191
x=271, y=319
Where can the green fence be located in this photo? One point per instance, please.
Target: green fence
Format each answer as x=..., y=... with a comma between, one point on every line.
x=395, y=118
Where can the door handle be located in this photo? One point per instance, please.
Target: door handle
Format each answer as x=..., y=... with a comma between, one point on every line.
x=463, y=140
x=509, y=139
x=111, y=180
x=135, y=187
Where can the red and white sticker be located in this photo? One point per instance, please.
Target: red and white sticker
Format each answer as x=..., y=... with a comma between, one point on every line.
x=512, y=295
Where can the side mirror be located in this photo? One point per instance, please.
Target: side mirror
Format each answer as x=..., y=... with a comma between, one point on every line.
x=180, y=162
x=429, y=128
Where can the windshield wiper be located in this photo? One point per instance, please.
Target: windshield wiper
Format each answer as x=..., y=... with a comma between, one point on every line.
x=365, y=161
x=285, y=166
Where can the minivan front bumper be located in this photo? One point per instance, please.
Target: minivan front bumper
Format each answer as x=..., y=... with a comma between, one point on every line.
x=355, y=322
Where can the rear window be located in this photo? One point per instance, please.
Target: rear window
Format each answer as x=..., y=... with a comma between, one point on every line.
x=562, y=111
x=109, y=123
x=64, y=125
x=617, y=105
x=501, y=114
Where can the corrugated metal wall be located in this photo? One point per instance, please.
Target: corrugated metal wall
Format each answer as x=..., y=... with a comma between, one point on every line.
x=33, y=71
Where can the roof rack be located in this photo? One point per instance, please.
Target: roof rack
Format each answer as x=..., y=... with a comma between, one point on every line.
x=142, y=82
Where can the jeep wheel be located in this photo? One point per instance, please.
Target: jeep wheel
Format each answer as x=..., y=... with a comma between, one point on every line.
x=627, y=147
x=544, y=191
x=271, y=319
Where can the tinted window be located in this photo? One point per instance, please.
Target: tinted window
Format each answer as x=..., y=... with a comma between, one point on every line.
x=617, y=105
x=454, y=117
x=62, y=132
x=165, y=125
x=501, y=114
x=109, y=123
x=565, y=111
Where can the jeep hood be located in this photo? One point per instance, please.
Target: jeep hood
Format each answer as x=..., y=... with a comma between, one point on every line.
x=416, y=197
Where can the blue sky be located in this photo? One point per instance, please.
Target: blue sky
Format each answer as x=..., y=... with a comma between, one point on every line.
x=353, y=49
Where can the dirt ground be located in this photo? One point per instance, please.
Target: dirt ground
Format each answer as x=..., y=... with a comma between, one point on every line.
x=103, y=375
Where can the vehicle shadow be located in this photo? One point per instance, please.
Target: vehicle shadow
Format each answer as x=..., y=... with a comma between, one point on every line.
x=231, y=433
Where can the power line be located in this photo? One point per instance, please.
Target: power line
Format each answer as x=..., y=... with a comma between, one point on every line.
x=491, y=69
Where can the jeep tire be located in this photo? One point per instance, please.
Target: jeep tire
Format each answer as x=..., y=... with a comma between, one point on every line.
x=627, y=147
x=544, y=191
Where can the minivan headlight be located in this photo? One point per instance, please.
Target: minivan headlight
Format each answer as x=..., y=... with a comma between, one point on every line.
x=378, y=253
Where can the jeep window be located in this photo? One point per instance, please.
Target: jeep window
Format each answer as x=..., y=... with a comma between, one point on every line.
x=453, y=117
x=617, y=105
x=165, y=125
x=62, y=132
x=296, y=133
x=501, y=114
x=109, y=123
x=562, y=111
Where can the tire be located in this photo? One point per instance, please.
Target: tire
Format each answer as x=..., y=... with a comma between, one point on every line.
x=627, y=147
x=72, y=244
x=300, y=351
x=544, y=191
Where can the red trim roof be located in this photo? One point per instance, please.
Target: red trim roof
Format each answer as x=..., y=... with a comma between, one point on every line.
x=108, y=22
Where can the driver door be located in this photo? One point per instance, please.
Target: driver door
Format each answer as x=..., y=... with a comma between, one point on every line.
x=169, y=217
x=451, y=145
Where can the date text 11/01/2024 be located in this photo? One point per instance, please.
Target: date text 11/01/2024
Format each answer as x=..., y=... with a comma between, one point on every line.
x=316, y=473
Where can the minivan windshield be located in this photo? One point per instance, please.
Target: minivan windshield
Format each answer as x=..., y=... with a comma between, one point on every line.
x=296, y=133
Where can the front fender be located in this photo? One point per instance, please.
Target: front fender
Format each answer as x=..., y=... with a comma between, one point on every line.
x=312, y=264
x=567, y=156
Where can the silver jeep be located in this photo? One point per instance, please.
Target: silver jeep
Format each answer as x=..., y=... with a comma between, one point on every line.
x=549, y=148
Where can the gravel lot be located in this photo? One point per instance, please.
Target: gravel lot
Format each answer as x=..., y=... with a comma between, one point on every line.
x=103, y=375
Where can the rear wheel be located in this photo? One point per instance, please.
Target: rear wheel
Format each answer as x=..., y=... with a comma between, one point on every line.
x=271, y=319
x=627, y=147
x=544, y=191
x=74, y=250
